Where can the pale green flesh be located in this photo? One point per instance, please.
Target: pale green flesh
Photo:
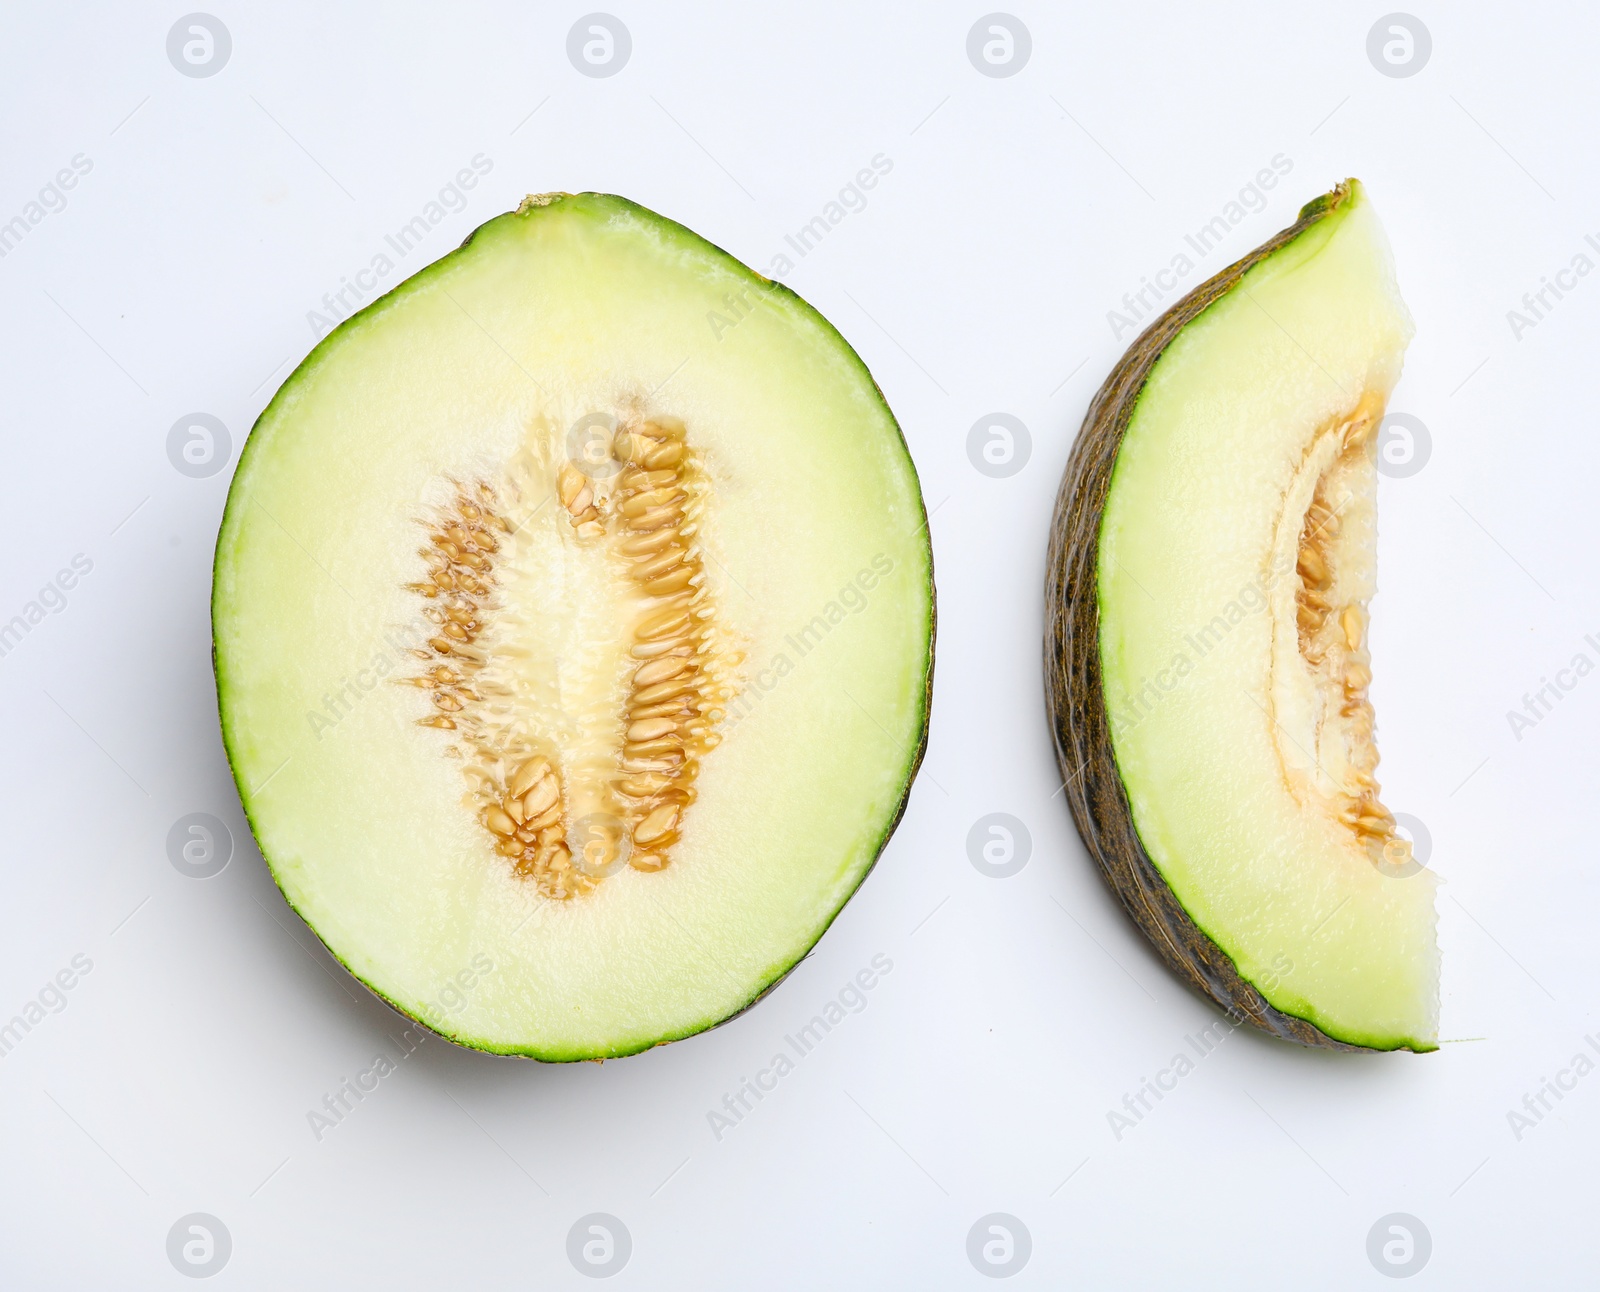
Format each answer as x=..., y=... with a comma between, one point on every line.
x=1185, y=583
x=819, y=560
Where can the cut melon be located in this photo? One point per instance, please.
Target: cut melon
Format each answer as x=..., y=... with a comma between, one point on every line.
x=574, y=616
x=1212, y=562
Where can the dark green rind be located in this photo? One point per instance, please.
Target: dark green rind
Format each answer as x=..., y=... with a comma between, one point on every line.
x=1074, y=693
x=530, y=208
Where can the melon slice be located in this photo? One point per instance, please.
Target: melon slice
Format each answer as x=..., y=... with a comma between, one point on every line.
x=1212, y=562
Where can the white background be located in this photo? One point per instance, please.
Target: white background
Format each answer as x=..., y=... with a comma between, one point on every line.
x=978, y=279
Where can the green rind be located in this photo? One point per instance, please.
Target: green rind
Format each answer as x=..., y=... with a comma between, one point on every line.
x=1074, y=691
x=530, y=209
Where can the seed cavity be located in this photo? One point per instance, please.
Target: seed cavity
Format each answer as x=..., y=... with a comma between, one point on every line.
x=1323, y=717
x=564, y=818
